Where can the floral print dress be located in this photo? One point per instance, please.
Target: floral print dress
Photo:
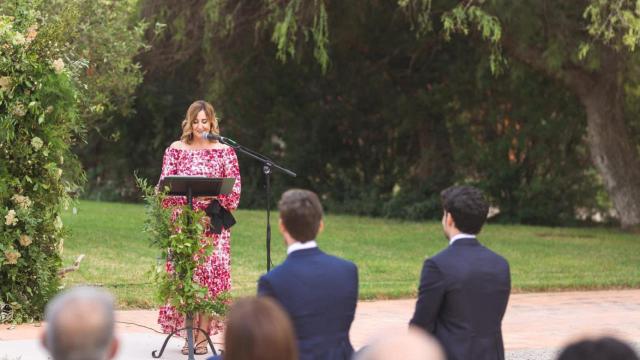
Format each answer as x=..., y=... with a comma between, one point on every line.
x=215, y=273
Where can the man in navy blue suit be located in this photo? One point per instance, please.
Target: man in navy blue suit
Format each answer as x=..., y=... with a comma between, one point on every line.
x=464, y=289
x=318, y=291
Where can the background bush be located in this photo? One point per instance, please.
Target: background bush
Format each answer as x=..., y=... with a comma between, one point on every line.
x=51, y=86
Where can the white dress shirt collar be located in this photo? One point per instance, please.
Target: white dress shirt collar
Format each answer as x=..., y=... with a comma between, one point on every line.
x=301, y=246
x=461, y=236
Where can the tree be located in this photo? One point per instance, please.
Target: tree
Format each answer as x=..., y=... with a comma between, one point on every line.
x=371, y=128
x=587, y=46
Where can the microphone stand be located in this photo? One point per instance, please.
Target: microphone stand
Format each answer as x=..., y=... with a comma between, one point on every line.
x=267, y=165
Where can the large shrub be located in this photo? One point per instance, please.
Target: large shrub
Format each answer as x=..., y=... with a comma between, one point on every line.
x=38, y=123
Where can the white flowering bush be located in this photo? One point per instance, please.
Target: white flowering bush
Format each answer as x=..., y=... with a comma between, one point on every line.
x=38, y=125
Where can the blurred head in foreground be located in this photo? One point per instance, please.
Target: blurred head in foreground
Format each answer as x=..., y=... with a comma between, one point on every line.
x=604, y=348
x=412, y=345
x=259, y=329
x=80, y=325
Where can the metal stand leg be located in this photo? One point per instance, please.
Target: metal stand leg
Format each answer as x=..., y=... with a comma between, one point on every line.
x=189, y=327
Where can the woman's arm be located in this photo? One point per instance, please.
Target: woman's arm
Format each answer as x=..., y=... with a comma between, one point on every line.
x=232, y=170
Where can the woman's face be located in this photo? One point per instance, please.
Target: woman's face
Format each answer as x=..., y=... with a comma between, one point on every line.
x=200, y=124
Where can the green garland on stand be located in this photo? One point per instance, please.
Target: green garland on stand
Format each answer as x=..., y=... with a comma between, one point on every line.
x=179, y=240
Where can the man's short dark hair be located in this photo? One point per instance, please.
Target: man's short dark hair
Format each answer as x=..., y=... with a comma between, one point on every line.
x=467, y=206
x=301, y=213
x=606, y=348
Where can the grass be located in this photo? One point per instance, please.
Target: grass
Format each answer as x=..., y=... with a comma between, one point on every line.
x=389, y=253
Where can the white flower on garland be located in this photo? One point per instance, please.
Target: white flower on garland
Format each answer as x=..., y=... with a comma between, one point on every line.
x=37, y=143
x=23, y=201
x=58, y=65
x=25, y=240
x=11, y=218
x=5, y=83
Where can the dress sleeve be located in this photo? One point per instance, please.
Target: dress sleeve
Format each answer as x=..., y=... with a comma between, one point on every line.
x=232, y=170
x=169, y=167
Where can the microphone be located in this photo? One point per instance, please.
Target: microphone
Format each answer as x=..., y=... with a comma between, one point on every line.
x=221, y=139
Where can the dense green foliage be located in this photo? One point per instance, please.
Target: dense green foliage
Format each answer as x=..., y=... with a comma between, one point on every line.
x=63, y=65
x=542, y=258
x=39, y=121
x=379, y=129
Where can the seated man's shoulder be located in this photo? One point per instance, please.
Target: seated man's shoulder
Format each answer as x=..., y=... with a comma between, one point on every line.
x=338, y=261
x=442, y=255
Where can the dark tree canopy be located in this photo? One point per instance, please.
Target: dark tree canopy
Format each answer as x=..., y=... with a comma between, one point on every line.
x=375, y=111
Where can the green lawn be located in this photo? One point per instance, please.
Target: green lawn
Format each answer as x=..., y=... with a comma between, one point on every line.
x=389, y=253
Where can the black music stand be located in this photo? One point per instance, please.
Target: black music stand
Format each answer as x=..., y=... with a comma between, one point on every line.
x=191, y=186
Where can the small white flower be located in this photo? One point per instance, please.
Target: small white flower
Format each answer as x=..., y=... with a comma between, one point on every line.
x=23, y=201
x=19, y=110
x=19, y=39
x=5, y=83
x=58, y=65
x=25, y=240
x=37, y=143
x=32, y=32
x=59, y=173
x=12, y=256
x=11, y=218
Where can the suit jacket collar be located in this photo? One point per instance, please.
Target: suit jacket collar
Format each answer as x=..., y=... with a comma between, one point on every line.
x=467, y=241
x=304, y=252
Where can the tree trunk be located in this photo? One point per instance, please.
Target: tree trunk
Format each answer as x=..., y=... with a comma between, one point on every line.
x=612, y=150
x=434, y=165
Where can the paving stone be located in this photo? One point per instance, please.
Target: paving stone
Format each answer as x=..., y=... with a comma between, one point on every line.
x=534, y=327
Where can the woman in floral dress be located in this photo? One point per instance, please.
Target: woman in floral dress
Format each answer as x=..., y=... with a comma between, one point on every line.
x=193, y=155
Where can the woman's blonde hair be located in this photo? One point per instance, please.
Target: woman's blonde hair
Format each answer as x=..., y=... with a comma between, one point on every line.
x=192, y=114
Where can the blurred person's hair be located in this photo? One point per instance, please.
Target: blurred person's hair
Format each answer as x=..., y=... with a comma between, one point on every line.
x=604, y=348
x=80, y=325
x=259, y=329
x=415, y=344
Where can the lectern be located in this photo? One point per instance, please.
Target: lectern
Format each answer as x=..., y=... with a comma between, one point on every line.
x=191, y=186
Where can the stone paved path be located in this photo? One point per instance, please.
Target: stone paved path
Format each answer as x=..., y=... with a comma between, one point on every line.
x=534, y=325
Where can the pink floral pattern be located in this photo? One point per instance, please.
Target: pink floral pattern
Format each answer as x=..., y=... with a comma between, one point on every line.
x=215, y=273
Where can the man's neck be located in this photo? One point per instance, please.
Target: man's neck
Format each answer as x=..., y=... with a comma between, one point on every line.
x=295, y=246
x=460, y=235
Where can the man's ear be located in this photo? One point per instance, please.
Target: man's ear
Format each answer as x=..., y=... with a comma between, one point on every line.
x=321, y=227
x=450, y=221
x=281, y=226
